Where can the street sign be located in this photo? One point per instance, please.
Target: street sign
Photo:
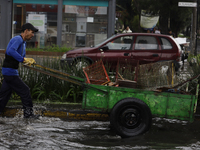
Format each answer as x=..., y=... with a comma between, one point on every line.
x=187, y=4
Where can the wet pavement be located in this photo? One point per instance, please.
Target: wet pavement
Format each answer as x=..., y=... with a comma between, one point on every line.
x=58, y=134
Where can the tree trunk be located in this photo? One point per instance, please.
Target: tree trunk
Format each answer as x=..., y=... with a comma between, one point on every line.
x=163, y=22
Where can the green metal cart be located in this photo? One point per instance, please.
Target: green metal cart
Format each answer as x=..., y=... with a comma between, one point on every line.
x=130, y=110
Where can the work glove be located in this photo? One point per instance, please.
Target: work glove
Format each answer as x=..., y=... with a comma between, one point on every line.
x=29, y=61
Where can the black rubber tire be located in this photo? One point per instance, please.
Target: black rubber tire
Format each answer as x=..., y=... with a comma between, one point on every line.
x=130, y=117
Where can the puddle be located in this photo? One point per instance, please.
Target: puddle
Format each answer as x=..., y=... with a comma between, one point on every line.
x=55, y=133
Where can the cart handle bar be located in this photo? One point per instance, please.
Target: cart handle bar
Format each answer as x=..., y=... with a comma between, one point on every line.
x=72, y=80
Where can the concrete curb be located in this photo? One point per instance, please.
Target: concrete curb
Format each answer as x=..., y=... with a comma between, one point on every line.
x=38, y=53
x=81, y=115
x=64, y=114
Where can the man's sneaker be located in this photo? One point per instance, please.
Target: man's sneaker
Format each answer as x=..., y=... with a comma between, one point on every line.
x=32, y=116
x=28, y=113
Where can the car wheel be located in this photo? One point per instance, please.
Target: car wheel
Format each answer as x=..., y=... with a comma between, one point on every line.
x=79, y=64
x=130, y=117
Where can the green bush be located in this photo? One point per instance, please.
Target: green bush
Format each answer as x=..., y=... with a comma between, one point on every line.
x=54, y=48
x=195, y=71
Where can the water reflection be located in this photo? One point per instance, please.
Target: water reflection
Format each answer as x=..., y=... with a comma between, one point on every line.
x=57, y=134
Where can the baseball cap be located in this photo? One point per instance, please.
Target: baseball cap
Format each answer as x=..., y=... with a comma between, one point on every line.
x=29, y=26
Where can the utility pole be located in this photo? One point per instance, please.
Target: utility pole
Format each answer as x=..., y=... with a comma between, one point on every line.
x=194, y=31
x=197, y=26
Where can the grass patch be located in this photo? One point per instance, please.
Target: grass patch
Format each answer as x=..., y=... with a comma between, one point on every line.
x=44, y=102
x=54, y=48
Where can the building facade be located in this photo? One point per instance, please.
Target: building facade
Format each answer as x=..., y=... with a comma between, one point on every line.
x=69, y=23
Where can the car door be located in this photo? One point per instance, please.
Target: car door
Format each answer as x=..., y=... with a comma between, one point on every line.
x=146, y=49
x=118, y=50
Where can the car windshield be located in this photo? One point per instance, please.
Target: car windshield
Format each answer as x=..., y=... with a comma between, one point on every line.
x=105, y=41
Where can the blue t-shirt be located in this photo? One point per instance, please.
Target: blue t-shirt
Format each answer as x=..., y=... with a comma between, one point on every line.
x=17, y=49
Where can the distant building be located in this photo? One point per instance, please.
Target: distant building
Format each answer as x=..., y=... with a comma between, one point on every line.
x=70, y=23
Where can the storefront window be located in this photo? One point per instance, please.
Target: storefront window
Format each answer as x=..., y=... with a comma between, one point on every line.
x=83, y=25
x=44, y=17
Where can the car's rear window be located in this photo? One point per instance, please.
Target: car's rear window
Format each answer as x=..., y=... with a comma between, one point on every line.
x=165, y=43
x=146, y=42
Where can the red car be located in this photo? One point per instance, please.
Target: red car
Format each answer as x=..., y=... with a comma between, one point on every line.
x=127, y=48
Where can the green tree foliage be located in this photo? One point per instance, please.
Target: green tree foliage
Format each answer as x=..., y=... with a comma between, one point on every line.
x=171, y=15
x=177, y=18
x=128, y=14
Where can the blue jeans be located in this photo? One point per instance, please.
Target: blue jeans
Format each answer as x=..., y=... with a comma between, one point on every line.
x=14, y=83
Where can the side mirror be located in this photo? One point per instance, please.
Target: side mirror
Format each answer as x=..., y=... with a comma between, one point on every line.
x=104, y=48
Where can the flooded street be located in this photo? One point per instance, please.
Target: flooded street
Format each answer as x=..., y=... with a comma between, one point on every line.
x=56, y=134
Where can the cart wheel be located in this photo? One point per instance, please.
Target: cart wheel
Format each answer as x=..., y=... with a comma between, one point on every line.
x=130, y=117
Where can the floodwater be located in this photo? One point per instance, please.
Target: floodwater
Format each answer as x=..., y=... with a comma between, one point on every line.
x=57, y=134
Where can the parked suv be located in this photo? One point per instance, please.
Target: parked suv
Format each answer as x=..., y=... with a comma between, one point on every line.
x=127, y=48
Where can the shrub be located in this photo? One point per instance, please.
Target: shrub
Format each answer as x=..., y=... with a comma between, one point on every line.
x=54, y=48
